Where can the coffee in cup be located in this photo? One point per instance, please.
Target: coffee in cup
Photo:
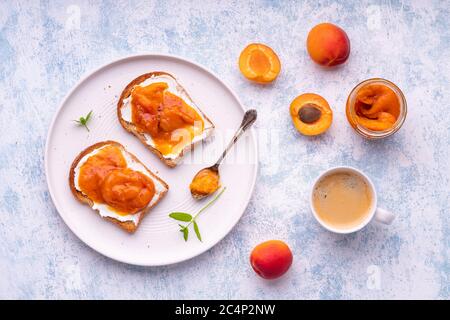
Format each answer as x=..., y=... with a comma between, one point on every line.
x=344, y=200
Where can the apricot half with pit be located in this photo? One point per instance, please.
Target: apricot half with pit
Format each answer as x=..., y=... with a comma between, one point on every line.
x=259, y=63
x=311, y=114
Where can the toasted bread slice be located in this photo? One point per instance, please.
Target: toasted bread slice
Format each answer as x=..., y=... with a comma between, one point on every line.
x=134, y=220
x=124, y=114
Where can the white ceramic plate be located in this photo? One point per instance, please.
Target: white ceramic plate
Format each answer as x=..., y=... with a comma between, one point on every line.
x=157, y=240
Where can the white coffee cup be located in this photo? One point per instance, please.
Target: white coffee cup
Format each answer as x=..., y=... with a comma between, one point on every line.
x=380, y=215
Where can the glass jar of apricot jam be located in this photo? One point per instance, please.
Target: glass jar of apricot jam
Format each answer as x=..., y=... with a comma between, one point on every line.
x=376, y=108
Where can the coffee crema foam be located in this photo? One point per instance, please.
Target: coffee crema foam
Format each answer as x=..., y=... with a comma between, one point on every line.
x=342, y=200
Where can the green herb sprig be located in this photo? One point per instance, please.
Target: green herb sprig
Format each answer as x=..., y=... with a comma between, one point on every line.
x=191, y=219
x=84, y=120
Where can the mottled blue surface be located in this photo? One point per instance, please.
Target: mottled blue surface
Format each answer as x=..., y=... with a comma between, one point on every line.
x=46, y=46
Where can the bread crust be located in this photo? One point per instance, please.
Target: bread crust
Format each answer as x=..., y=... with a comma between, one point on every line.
x=128, y=226
x=131, y=128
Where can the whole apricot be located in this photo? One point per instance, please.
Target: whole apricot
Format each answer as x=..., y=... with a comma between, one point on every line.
x=328, y=45
x=271, y=259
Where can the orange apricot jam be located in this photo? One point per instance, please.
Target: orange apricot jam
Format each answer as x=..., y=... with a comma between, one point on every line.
x=105, y=178
x=376, y=108
x=166, y=117
x=205, y=182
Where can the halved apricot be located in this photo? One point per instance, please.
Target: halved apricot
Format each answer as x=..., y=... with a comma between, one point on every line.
x=311, y=114
x=259, y=63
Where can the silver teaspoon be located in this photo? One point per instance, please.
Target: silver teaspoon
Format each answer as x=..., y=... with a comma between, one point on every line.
x=207, y=180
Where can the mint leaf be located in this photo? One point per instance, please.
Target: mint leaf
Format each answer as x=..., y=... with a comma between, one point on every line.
x=186, y=217
x=185, y=233
x=181, y=216
x=197, y=231
x=88, y=116
x=84, y=120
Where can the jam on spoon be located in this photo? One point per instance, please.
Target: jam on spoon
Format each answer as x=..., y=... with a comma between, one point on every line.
x=207, y=180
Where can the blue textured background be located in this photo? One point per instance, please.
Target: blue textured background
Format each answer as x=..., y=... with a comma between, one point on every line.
x=46, y=46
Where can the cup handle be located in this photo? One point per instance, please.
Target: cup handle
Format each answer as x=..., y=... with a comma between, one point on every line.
x=384, y=216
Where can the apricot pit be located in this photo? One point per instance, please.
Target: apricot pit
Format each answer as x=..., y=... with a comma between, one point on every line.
x=309, y=113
